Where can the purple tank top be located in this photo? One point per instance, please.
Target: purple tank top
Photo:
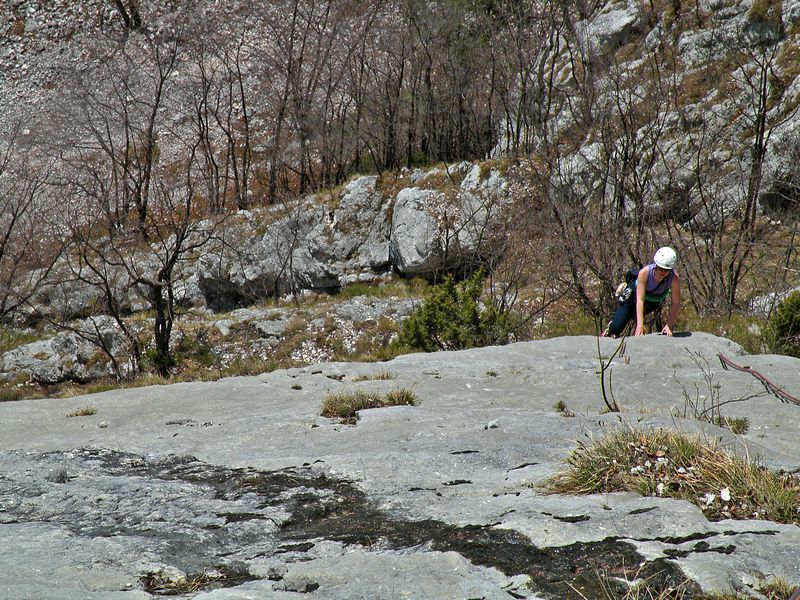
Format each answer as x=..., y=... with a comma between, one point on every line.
x=657, y=289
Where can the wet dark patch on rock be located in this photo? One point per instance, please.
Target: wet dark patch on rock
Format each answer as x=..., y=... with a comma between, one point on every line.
x=683, y=539
x=698, y=548
x=764, y=532
x=302, y=547
x=301, y=507
x=523, y=465
x=641, y=511
x=572, y=518
x=240, y=517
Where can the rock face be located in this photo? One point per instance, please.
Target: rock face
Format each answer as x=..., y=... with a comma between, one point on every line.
x=69, y=356
x=362, y=236
x=86, y=354
x=416, y=245
x=243, y=486
x=433, y=231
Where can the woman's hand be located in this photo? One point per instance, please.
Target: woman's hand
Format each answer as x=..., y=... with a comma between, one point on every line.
x=639, y=330
x=666, y=331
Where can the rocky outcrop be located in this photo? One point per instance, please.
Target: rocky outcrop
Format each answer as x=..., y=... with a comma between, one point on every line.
x=435, y=231
x=240, y=489
x=95, y=348
x=81, y=355
x=362, y=235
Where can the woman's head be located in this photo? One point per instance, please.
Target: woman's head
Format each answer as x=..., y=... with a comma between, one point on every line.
x=665, y=258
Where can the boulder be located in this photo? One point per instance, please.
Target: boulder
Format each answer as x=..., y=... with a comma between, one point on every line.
x=69, y=356
x=360, y=228
x=416, y=246
x=434, y=230
x=612, y=28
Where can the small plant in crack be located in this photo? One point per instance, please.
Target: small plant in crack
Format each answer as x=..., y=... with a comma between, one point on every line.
x=561, y=408
x=345, y=405
x=163, y=583
x=383, y=375
x=605, y=374
x=86, y=411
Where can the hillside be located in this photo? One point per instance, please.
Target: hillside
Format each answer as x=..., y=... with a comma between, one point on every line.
x=243, y=202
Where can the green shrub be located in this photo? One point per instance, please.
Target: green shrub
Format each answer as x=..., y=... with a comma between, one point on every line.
x=161, y=362
x=451, y=318
x=765, y=11
x=783, y=329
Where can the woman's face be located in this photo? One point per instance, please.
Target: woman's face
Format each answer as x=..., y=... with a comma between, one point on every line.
x=660, y=274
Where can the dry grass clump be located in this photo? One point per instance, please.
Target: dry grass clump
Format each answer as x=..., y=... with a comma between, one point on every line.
x=773, y=589
x=11, y=393
x=383, y=375
x=670, y=464
x=345, y=405
x=165, y=584
x=86, y=411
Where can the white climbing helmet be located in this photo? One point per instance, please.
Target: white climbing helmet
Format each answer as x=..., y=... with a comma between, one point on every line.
x=665, y=257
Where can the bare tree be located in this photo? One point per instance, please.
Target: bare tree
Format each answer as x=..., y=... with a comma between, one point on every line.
x=222, y=119
x=150, y=259
x=726, y=234
x=28, y=249
x=112, y=120
x=129, y=11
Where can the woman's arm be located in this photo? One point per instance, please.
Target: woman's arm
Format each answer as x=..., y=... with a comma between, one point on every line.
x=641, y=284
x=675, y=306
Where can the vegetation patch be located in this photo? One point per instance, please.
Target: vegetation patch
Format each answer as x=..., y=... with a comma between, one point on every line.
x=561, y=408
x=86, y=411
x=10, y=339
x=670, y=464
x=162, y=583
x=10, y=393
x=772, y=589
x=345, y=405
x=452, y=318
x=784, y=326
x=383, y=375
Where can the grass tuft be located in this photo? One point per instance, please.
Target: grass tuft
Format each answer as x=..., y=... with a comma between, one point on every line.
x=384, y=375
x=561, y=408
x=345, y=405
x=669, y=464
x=86, y=411
x=400, y=397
